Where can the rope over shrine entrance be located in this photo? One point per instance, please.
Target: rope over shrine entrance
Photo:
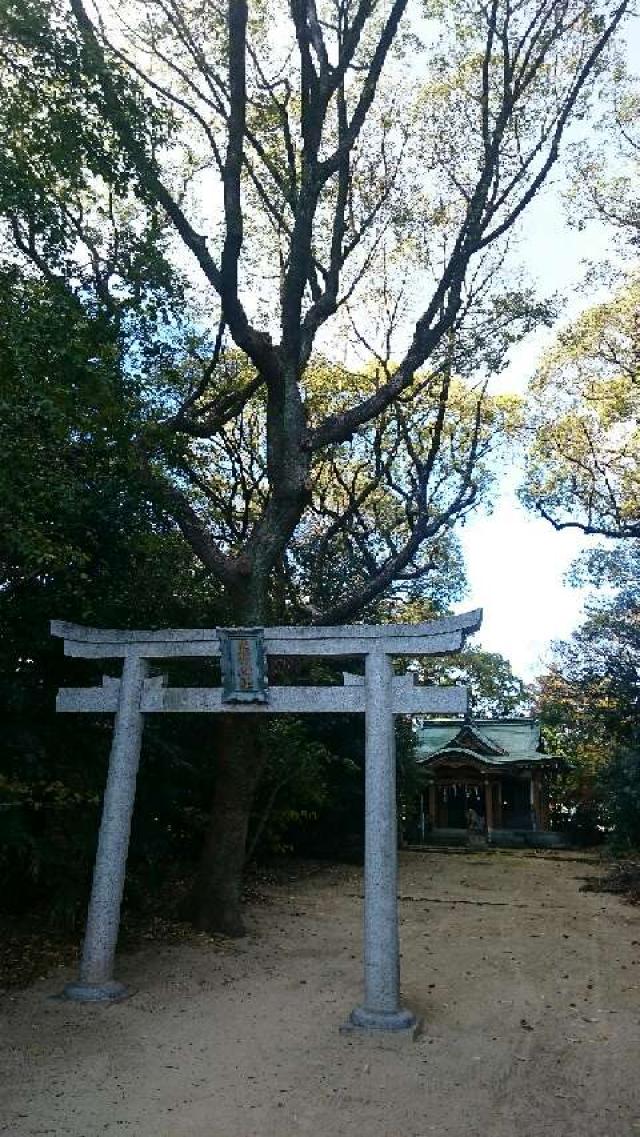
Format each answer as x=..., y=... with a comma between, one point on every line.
x=244, y=655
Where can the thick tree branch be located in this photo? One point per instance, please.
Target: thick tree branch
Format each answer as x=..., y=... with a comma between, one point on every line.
x=228, y=570
x=257, y=345
x=631, y=529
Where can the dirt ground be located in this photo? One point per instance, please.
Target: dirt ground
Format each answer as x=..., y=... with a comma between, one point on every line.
x=529, y=990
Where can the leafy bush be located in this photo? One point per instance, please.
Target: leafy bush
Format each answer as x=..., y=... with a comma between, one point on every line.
x=620, y=786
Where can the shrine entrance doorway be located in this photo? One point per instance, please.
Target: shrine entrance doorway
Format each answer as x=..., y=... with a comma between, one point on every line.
x=456, y=801
x=517, y=812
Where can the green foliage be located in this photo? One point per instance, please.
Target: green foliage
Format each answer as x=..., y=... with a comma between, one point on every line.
x=495, y=691
x=583, y=464
x=410, y=777
x=293, y=788
x=58, y=149
x=366, y=492
x=619, y=784
x=604, y=169
x=80, y=540
x=590, y=700
x=65, y=419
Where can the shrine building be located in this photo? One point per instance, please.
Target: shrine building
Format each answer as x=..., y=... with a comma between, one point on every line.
x=486, y=781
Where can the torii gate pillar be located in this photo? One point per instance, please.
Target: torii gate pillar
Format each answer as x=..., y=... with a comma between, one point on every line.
x=381, y=1009
x=96, y=982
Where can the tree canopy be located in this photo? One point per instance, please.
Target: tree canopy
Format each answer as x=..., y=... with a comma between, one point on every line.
x=495, y=692
x=294, y=170
x=606, y=164
x=583, y=466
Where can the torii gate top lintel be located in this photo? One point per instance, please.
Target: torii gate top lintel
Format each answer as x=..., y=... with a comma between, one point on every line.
x=434, y=637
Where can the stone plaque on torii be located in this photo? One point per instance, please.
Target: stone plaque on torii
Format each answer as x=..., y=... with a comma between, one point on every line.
x=379, y=695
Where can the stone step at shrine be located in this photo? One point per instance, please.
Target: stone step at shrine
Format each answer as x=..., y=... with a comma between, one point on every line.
x=244, y=654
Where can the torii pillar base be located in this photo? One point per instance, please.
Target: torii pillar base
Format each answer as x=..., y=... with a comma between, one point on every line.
x=110, y=992
x=400, y=1023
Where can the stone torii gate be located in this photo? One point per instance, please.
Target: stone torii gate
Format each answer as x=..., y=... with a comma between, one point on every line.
x=244, y=653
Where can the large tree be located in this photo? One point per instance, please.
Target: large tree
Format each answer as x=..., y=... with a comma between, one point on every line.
x=253, y=189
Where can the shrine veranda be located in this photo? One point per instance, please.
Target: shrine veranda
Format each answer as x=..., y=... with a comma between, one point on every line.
x=244, y=654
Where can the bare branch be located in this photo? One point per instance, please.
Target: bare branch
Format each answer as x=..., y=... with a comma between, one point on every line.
x=624, y=530
x=256, y=344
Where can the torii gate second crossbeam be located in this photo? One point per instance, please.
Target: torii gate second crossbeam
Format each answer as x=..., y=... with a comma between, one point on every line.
x=380, y=696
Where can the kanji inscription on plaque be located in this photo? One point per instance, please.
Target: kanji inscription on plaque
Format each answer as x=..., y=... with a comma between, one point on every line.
x=242, y=660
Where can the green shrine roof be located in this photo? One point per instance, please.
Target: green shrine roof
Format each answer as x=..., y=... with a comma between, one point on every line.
x=495, y=742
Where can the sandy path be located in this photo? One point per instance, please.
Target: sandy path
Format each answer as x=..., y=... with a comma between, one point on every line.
x=531, y=1002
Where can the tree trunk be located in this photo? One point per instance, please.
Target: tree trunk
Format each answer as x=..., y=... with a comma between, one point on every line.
x=240, y=758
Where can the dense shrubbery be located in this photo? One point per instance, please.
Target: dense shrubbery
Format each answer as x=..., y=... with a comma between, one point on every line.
x=590, y=703
x=619, y=784
x=79, y=540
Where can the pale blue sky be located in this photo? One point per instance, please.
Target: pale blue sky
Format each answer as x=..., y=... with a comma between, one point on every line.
x=515, y=566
